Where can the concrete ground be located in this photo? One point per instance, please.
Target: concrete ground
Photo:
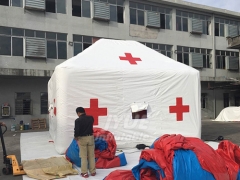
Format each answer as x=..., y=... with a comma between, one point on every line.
x=210, y=130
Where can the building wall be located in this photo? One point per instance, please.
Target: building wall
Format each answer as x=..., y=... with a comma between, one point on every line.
x=66, y=23
x=11, y=85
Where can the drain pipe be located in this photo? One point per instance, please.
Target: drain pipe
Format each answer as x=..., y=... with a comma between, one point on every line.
x=214, y=62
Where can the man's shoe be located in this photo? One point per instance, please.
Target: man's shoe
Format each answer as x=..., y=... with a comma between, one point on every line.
x=85, y=175
x=93, y=174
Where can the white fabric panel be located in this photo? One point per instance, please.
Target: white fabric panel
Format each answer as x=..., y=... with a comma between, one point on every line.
x=98, y=73
x=229, y=114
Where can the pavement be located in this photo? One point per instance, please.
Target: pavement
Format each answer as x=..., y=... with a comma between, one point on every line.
x=210, y=131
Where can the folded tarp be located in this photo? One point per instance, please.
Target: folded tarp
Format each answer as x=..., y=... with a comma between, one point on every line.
x=105, y=149
x=176, y=157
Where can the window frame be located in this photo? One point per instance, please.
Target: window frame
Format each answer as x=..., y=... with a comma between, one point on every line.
x=30, y=110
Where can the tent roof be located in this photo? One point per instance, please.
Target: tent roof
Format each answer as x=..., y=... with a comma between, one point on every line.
x=110, y=54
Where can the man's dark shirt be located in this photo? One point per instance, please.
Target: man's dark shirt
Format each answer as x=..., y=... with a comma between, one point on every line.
x=83, y=125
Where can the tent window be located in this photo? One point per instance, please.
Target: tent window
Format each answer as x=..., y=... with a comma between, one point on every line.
x=139, y=110
x=139, y=115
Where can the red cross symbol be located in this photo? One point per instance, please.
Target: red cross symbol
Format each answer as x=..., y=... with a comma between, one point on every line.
x=95, y=111
x=55, y=109
x=129, y=58
x=179, y=109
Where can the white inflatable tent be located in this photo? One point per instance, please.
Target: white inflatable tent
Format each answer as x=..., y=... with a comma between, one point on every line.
x=229, y=114
x=131, y=90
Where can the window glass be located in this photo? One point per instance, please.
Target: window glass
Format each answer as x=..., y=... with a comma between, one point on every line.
x=50, y=35
x=120, y=2
x=76, y=8
x=17, y=46
x=17, y=3
x=77, y=38
x=133, y=19
x=222, y=30
x=168, y=22
x=86, y=12
x=17, y=32
x=5, y=30
x=162, y=21
x=40, y=34
x=87, y=39
x=112, y=1
x=133, y=4
x=4, y=2
x=186, y=58
x=5, y=45
x=140, y=6
x=50, y=6
x=178, y=24
x=29, y=33
x=61, y=6
x=51, y=49
x=62, y=50
x=113, y=13
x=77, y=48
x=120, y=14
x=185, y=24
x=216, y=29
x=140, y=17
x=62, y=36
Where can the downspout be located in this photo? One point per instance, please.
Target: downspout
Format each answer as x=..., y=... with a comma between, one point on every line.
x=214, y=63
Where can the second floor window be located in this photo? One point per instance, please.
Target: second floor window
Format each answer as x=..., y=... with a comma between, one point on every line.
x=12, y=42
x=184, y=18
x=16, y=3
x=184, y=52
x=137, y=14
x=221, y=58
x=56, y=6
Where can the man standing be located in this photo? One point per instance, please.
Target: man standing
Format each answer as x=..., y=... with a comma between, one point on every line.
x=83, y=133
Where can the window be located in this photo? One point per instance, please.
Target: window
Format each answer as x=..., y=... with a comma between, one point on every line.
x=23, y=103
x=221, y=58
x=56, y=45
x=139, y=115
x=220, y=26
x=81, y=43
x=4, y=2
x=16, y=3
x=137, y=14
x=56, y=6
x=11, y=42
x=116, y=10
x=183, y=55
x=203, y=100
x=81, y=8
x=182, y=21
x=44, y=103
x=161, y=48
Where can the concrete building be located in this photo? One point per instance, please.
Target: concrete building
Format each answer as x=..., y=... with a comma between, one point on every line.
x=37, y=35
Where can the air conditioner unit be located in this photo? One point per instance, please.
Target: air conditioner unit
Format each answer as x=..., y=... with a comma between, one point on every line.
x=153, y=19
x=38, y=5
x=35, y=48
x=196, y=60
x=232, y=30
x=101, y=11
x=197, y=26
x=232, y=63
